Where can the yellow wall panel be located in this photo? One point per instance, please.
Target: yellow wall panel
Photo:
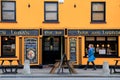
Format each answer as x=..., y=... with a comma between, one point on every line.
x=78, y=17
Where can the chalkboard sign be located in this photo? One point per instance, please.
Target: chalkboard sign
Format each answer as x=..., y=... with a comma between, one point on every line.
x=73, y=49
x=31, y=50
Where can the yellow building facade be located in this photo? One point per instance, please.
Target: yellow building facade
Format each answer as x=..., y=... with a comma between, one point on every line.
x=42, y=30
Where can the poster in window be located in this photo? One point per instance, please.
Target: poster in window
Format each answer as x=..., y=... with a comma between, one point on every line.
x=31, y=50
x=13, y=46
x=102, y=51
x=73, y=49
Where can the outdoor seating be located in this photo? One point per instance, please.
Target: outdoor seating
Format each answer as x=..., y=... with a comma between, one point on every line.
x=114, y=67
x=61, y=64
x=10, y=68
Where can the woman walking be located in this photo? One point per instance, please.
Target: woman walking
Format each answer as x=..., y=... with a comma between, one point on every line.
x=91, y=56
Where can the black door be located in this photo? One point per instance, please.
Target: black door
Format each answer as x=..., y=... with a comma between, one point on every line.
x=51, y=49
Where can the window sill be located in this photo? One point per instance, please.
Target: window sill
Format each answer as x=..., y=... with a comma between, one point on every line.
x=51, y=22
x=8, y=56
x=105, y=56
x=98, y=22
x=8, y=21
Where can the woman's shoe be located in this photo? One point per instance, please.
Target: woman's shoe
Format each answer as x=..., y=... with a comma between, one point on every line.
x=94, y=69
x=85, y=68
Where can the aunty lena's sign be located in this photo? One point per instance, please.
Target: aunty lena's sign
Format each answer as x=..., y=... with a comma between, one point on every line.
x=19, y=32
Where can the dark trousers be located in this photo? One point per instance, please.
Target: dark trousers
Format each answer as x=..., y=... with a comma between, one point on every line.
x=94, y=67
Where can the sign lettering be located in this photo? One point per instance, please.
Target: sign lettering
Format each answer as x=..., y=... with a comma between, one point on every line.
x=19, y=32
x=53, y=32
x=94, y=32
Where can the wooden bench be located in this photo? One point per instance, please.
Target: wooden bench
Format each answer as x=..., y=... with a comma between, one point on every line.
x=114, y=67
x=10, y=68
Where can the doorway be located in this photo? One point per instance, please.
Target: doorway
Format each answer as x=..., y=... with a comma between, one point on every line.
x=52, y=48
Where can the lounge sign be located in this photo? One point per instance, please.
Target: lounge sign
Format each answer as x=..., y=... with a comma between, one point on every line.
x=94, y=32
x=53, y=32
x=19, y=32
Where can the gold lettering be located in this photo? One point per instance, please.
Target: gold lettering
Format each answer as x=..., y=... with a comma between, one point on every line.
x=83, y=32
x=58, y=32
x=20, y=33
x=95, y=33
x=3, y=32
x=48, y=32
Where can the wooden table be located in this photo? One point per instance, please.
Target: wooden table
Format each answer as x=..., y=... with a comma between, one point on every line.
x=61, y=64
x=114, y=67
x=12, y=68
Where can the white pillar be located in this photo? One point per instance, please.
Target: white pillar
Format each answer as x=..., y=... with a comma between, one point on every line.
x=106, y=70
x=26, y=69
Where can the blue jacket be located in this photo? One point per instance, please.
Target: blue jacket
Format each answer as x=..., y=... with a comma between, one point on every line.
x=91, y=56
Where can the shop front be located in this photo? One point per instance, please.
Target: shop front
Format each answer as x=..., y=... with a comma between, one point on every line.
x=46, y=46
x=106, y=44
x=19, y=44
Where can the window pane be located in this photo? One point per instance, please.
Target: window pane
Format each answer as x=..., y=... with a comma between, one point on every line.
x=8, y=46
x=8, y=6
x=51, y=16
x=111, y=48
x=100, y=38
x=90, y=38
x=98, y=7
x=104, y=46
x=98, y=16
x=51, y=7
x=8, y=15
x=111, y=39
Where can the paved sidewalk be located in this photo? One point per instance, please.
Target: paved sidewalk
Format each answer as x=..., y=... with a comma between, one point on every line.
x=44, y=72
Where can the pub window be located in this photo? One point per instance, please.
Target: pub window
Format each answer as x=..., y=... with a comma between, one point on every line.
x=90, y=38
x=104, y=46
x=8, y=11
x=56, y=44
x=8, y=46
x=98, y=12
x=100, y=38
x=51, y=12
x=51, y=44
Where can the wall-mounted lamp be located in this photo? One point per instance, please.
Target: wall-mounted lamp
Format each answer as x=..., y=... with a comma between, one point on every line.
x=28, y=5
x=5, y=38
x=74, y=5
